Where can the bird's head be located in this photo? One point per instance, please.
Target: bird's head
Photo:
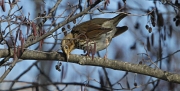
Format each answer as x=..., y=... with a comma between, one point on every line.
x=67, y=45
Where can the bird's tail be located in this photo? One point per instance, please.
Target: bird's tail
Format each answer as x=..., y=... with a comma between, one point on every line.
x=119, y=17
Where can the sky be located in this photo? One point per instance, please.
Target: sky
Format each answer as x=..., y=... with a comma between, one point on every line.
x=126, y=40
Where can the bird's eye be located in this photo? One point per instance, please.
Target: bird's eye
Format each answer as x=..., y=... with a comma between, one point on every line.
x=66, y=47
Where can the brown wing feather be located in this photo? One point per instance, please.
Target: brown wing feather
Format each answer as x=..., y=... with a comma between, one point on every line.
x=90, y=29
x=97, y=32
x=120, y=30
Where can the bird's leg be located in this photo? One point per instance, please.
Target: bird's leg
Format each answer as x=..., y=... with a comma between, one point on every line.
x=105, y=56
x=88, y=48
x=93, y=51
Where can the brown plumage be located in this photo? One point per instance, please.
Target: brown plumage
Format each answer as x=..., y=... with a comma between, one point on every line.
x=95, y=34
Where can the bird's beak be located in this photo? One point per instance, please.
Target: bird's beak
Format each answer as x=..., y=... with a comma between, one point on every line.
x=66, y=52
x=67, y=56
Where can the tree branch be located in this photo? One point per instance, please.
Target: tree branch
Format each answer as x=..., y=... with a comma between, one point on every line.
x=84, y=60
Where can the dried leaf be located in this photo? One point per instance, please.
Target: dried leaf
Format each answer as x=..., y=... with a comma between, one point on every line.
x=150, y=29
x=119, y=5
x=140, y=62
x=174, y=19
x=124, y=1
x=107, y=2
x=20, y=34
x=135, y=84
x=136, y=26
x=28, y=28
x=147, y=27
x=22, y=45
x=74, y=21
x=177, y=22
x=152, y=16
x=33, y=25
x=68, y=26
x=64, y=31
x=160, y=20
x=153, y=24
x=2, y=5
x=152, y=39
x=148, y=44
x=17, y=32
x=170, y=31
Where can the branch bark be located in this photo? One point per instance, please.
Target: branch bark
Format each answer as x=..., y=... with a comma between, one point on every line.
x=84, y=60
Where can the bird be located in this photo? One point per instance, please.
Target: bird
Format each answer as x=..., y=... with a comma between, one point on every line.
x=93, y=35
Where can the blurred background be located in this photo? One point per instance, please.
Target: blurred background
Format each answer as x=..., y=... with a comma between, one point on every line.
x=152, y=38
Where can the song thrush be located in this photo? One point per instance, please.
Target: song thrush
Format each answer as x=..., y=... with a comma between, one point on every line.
x=93, y=35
